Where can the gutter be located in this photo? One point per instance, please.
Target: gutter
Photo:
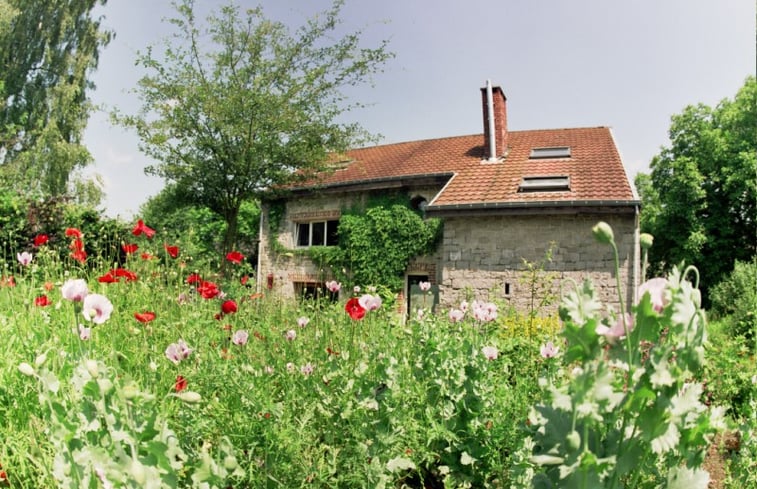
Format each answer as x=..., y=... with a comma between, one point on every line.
x=532, y=207
x=381, y=182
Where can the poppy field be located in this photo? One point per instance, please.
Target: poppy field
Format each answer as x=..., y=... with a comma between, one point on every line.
x=145, y=372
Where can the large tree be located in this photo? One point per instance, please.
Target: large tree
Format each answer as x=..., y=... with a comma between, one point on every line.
x=700, y=200
x=242, y=105
x=48, y=49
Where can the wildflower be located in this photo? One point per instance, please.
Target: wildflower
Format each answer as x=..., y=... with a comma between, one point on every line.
x=208, y=290
x=424, y=286
x=235, y=257
x=128, y=275
x=7, y=281
x=40, y=240
x=656, y=289
x=484, y=311
x=355, y=309
x=96, y=308
x=141, y=228
x=307, y=369
x=356, y=289
x=333, y=286
x=73, y=232
x=129, y=248
x=178, y=351
x=240, y=337
x=24, y=258
x=549, y=350
x=194, y=278
x=229, y=307
x=183, y=298
x=490, y=352
x=302, y=321
x=464, y=306
x=686, y=478
x=618, y=330
x=456, y=315
x=180, y=384
x=291, y=335
x=144, y=317
x=42, y=301
x=173, y=251
x=243, y=280
x=268, y=369
x=74, y=290
x=84, y=333
x=108, y=278
x=290, y=367
x=370, y=302
x=48, y=286
x=146, y=256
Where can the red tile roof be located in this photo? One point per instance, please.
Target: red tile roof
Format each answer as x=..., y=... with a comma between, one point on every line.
x=594, y=168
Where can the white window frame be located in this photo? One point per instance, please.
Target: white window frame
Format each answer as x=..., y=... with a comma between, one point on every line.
x=309, y=224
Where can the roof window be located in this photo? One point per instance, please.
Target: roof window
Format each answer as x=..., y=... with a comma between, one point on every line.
x=552, y=183
x=548, y=153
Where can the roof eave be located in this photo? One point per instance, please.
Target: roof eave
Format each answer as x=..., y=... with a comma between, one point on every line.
x=375, y=183
x=536, y=207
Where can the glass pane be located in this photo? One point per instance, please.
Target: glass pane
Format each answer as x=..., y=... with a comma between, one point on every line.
x=303, y=234
x=332, y=233
x=319, y=233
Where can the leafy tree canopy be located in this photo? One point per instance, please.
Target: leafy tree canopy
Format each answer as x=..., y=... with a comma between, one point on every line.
x=241, y=105
x=47, y=51
x=700, y=200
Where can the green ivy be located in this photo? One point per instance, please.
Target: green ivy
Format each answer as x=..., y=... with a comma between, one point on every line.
x=376, y=245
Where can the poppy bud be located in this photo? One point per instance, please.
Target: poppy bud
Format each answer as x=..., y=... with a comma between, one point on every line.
x=645, y=240
x=603, y=232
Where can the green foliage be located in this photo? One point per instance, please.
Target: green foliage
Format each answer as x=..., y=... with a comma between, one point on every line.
x=628, y=413
x=730, y=370
x=735, y=298
x=700, y=201
x=240, y=106
x=377, y=245
x=44, y=111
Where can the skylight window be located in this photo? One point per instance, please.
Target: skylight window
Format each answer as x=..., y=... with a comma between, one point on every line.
x=549, y=153
x=552, y=183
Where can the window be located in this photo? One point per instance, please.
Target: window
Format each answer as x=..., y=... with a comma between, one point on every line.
x=553, y=183
x=547, y=153
x=314, y=291
x=317, y=233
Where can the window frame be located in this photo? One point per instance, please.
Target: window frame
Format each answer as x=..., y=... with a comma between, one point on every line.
x=330, y=235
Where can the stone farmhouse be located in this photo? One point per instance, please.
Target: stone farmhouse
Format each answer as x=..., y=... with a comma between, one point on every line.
x=505, y=198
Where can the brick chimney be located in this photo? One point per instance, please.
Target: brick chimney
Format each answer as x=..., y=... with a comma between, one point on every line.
x=499, y=103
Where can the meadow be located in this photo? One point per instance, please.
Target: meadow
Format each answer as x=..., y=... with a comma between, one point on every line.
x=144, y=372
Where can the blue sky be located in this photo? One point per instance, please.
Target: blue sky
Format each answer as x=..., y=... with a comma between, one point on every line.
x=626, y=65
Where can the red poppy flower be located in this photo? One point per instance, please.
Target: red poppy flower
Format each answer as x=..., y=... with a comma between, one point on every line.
x=40, y=239
x=208, y=290
x=331, y=352
x=142, y=228
x=128, y=275
x=129, y=248
x=194, y=278
x=172, y=250
x=235, y=257
x=354, y=309
x=80, y=256
x=243, y=280
x=76, y=245
x=3, y=475
x=7, y=281
x=73, y=232
x=229, y=307
x=108, y=278
x=144, y=317
x=49, y=286
x=42, y=301
x=256, y=296
x=146, y=256
x=181, y=383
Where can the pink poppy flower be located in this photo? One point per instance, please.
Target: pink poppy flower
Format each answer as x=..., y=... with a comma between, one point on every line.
x=176, y=352
x=74, y=290
x=424, y=286
x=656, y=289
x=240, y=337
x=333, y=286
x=96, y=308
x=24, y=258
x=617, y=330
x=456, y=315
x=302, y=321
x=490, y=352
x=291, y=335
x=370, y=302
x=549, y=350
x=84, y=333
x=307, y=369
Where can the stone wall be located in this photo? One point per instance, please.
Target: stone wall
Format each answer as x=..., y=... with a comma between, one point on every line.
x=485, y=256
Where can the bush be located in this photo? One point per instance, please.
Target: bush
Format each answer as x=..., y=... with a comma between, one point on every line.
x=736, y=297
